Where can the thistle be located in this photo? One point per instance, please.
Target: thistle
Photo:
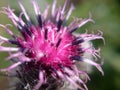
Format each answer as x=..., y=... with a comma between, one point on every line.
x=44, y=56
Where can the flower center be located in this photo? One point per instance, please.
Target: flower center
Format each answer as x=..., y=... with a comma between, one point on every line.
x=50, y=47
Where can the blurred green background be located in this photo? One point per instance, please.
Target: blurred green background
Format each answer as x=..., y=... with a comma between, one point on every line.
x=106, y=14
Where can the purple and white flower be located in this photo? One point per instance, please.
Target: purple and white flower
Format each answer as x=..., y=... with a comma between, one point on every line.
x=50, y=49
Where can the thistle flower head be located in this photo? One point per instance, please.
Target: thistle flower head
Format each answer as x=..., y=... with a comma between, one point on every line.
x=50, y=49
